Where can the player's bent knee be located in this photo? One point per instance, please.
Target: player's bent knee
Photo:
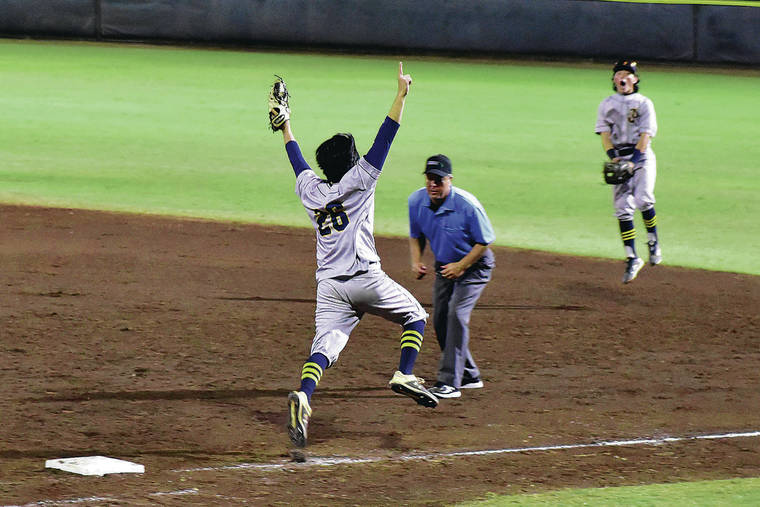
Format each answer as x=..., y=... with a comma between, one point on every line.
x=416, y=315
x=330, y=344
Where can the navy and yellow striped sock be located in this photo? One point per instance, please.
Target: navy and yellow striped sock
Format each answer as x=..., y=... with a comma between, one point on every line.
x=411, y=342
x=628, y=235
x=650, y=221
x=311, y=373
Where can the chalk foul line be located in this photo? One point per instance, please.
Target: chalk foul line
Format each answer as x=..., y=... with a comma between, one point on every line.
x=333, y=461
x=316, y=461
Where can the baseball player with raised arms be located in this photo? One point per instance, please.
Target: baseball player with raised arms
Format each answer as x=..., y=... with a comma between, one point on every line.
x=627, y=123
x=350, y=281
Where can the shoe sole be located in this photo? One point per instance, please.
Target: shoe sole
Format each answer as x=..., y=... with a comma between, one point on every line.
x=424, y=399
x=472, y=385
x=455, y=394
x=295, y=430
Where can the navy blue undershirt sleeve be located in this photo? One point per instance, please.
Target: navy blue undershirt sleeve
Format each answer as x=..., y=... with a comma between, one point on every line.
x=376, y=155
x=295, y=157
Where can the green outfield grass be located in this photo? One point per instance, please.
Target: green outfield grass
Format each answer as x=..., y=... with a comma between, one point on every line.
x=734, y=492
x=184, y=132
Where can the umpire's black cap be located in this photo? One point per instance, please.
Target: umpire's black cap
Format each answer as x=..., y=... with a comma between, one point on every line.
x=438, y=164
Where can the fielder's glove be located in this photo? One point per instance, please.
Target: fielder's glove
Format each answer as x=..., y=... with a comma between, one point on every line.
x=279, y=111
x=618, y=172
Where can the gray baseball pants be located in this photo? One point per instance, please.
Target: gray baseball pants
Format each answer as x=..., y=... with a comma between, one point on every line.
x=637, y=192
x=453, y=301
x=341, y=303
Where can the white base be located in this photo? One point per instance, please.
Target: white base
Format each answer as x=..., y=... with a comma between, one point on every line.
x=95, y=465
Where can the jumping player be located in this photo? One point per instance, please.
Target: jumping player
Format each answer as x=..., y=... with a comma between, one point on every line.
x=350, y=281
x=627, y=123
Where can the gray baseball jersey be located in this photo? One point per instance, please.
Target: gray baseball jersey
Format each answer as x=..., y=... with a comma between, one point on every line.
x=626, y=117
x=343, y=214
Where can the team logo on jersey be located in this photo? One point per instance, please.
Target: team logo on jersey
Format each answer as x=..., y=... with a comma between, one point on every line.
x=633, y=113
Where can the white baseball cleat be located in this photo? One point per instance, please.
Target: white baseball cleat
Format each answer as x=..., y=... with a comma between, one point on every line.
x=655, y=254
x=632, y=267
x=411, y=386
x=299, y=412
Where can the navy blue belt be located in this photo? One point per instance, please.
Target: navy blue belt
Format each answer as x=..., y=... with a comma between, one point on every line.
x=625, y=149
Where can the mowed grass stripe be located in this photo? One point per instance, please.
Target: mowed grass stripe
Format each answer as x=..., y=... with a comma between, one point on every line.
x=183, y=132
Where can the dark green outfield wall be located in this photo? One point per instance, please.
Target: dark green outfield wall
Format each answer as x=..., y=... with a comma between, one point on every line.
x=584, y=28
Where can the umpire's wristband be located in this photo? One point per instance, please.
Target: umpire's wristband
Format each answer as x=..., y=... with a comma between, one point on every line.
x=637, y=156
x=611, y=153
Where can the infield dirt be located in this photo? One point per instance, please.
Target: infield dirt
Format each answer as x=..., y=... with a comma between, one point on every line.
x=173, y=343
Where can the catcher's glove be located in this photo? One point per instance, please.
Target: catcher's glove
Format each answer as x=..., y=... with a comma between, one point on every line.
x=279, y=111
x=618, y=172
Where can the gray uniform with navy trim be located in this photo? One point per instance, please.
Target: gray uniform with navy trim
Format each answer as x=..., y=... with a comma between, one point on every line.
x=350, y=281
x=626, y=117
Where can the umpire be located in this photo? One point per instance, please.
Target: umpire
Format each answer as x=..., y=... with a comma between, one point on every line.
x=459, y=232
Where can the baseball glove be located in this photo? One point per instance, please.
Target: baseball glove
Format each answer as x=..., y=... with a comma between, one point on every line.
x=279, y=110
x=618, y=172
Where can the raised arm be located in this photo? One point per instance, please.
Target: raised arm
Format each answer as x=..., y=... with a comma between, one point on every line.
x=293, y=150
x=379, y=150
x=404, y=82
x=287, y=134
x=279, y=119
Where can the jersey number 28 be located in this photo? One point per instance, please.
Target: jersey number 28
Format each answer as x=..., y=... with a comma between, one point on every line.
x=338, y=218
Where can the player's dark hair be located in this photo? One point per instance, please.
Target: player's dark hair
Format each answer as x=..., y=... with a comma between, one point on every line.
x=336, y=156
x=631, y=66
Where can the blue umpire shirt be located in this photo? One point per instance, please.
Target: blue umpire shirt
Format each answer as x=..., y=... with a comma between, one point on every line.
x=454, y=228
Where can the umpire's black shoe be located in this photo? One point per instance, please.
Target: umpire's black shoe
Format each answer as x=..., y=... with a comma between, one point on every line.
x=299, y=412
x=471, y=383
x=442, y=390
x=411, y=386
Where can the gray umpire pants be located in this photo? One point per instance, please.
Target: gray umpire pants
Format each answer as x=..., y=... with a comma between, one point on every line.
x=453, y=301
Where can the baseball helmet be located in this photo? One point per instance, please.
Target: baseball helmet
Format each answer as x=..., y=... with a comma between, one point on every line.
x=631, y=66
